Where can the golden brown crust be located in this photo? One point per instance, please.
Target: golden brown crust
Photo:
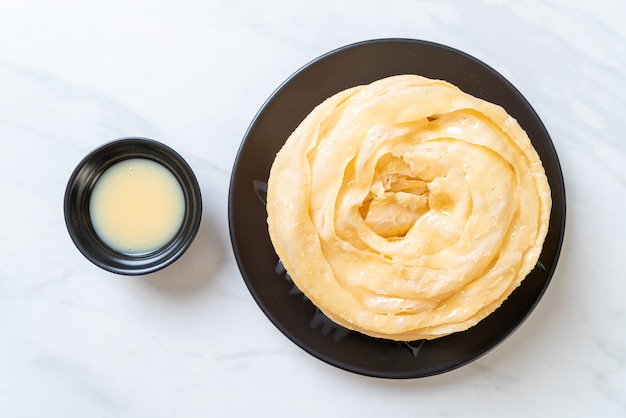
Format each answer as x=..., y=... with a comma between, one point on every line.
x=407, y=209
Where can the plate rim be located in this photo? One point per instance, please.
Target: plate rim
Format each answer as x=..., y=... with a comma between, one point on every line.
x=324, y=356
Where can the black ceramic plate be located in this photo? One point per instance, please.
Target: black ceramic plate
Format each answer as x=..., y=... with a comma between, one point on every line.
x=284, y=305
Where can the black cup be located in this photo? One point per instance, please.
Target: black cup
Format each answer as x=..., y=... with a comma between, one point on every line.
x=78, y=193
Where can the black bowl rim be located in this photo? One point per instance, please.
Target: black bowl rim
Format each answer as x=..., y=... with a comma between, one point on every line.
x=76, y=196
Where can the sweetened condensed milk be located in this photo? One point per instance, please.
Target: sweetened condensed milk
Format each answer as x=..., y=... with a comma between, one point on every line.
x=136, y=206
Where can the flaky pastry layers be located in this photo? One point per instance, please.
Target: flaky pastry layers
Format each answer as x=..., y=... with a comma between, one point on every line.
x=407, y=209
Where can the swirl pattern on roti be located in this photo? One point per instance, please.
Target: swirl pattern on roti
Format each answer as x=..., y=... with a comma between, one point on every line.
x=407, y=209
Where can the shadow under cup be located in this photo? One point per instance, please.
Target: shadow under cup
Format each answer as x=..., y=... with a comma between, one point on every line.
x=77, y=200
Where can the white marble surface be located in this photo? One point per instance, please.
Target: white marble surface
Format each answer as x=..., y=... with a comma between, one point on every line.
x=189, y=341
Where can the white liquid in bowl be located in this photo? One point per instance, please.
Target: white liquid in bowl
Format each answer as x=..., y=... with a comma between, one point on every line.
x=136, y=206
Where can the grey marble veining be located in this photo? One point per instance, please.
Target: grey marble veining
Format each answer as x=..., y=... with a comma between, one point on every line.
x=190, y=341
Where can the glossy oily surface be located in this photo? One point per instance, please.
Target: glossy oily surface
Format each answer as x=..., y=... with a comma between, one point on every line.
x=258, y=261
x=407, y=209
x=136, y=206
